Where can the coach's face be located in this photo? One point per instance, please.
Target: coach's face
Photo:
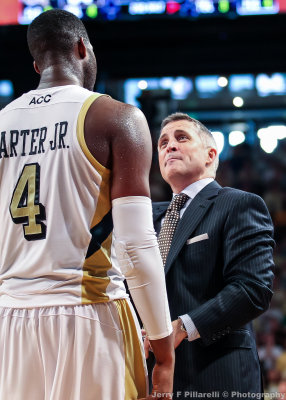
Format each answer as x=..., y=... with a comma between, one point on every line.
x=183, y=157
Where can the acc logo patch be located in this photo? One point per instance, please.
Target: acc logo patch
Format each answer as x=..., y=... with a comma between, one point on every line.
x=41, y=99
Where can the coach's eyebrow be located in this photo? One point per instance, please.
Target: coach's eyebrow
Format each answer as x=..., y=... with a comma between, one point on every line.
x=181, y=131
x=162, y=137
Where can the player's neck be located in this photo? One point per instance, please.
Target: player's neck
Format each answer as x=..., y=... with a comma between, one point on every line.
x=58, y=75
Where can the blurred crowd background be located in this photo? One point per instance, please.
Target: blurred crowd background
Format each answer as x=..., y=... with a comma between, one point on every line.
x=222, y=62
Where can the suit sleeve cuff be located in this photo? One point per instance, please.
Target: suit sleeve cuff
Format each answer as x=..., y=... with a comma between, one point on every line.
x=192, y=331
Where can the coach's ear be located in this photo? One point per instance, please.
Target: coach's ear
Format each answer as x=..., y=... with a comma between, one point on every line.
x=211, y=155
x=36, y=68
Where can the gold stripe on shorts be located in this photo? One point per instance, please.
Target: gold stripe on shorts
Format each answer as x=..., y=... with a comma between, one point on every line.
x=135, y=379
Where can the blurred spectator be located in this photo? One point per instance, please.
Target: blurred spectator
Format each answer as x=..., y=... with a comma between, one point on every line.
x=269, y=352
x=282, y=389
x=281, y=361
x=273, y=378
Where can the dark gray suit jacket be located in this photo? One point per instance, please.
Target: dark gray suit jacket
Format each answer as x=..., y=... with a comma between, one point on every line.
x=223, y=283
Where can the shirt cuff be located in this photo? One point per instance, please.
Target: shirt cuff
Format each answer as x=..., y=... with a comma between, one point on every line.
x=192, y=331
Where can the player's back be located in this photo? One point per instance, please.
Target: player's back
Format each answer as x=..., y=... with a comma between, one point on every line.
x=56, y=224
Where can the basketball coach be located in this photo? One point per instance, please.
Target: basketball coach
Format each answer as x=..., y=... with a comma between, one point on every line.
x=217, y=246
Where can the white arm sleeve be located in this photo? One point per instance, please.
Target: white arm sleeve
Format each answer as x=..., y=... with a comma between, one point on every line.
x=139, y=257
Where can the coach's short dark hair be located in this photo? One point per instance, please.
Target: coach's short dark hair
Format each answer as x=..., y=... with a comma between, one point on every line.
x=55, y=32
x=178, y=116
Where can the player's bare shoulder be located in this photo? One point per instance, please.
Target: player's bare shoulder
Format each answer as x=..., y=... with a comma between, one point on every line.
x=112, y=124
x=114, y=116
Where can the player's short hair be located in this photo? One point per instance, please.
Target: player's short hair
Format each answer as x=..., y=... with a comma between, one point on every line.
x=55, y=32
x=204, y=133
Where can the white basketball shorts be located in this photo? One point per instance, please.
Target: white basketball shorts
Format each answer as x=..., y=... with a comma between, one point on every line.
x=85, y=352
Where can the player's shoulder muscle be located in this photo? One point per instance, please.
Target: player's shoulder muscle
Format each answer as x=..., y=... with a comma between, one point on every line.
x=111, y=123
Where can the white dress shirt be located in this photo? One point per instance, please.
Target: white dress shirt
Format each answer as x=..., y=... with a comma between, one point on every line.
x=191, y=190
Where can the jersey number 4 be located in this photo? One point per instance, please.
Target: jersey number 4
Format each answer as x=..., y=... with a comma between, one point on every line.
x=25, y=207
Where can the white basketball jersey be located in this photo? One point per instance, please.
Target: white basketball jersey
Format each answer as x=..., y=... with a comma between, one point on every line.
x=55, y=208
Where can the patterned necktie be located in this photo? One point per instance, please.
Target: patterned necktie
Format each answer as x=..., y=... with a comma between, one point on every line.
x=171, y=220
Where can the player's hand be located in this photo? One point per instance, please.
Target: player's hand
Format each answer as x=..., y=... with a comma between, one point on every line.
x=157, y=395
x=162, y=380
x=179, y=335
x=163, y=372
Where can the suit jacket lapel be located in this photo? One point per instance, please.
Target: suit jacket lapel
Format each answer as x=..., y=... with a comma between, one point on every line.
x=190, y=220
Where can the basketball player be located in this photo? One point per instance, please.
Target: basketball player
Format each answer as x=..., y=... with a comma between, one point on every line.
x=74, y=194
